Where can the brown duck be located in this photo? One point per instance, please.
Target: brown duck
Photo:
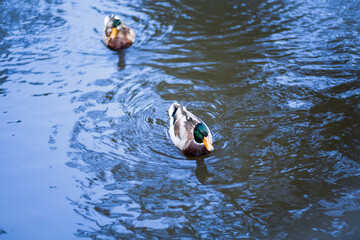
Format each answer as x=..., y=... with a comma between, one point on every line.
x=117, y=35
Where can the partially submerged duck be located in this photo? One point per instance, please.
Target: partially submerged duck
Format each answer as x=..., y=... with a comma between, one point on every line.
x=188, y=132
x=117, y=35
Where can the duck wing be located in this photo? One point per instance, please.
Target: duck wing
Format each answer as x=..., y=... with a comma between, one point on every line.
x=182, y=124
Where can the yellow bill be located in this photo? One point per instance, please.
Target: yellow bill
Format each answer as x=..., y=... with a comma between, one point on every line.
x=208, y=144
x=113, y=33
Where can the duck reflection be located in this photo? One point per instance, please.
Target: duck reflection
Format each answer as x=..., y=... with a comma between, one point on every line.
x=121, y=63
x=201, y=171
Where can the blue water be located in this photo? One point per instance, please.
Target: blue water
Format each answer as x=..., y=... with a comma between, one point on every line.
x=85, y=152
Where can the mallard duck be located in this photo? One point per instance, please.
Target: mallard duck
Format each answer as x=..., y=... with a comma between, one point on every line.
x=188, y=132
x=117, y=35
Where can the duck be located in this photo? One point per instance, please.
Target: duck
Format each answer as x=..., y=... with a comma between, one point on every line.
x=191, y=135
x=117, y=35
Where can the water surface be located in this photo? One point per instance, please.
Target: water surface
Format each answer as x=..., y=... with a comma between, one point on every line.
x=84, y=146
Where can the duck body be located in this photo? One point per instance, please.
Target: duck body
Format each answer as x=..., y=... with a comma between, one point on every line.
x=117, y=35
x=191, y=135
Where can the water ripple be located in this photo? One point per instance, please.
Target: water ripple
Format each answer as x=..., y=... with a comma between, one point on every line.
x=276, y=82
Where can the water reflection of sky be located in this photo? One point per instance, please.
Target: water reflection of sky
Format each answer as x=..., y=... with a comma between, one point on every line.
x=84, y=137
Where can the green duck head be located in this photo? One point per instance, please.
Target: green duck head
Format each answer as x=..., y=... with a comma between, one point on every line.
x=116, y=23
x=201, y=135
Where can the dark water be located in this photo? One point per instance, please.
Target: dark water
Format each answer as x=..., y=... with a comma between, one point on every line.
x=84, y=146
